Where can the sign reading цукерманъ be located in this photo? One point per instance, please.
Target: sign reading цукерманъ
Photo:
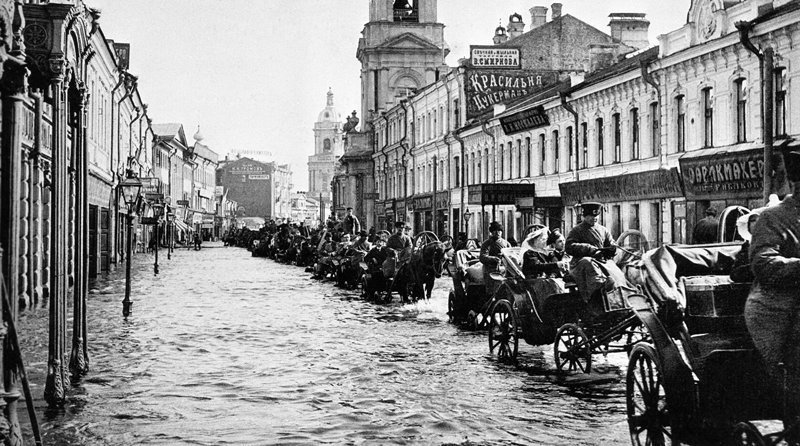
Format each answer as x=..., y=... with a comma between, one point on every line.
x=486, y=87
x=481, y=56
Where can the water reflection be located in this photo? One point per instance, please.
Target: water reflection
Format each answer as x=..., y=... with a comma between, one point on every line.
x=223, y=348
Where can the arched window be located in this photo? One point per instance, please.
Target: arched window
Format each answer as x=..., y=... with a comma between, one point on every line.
x=326, y=145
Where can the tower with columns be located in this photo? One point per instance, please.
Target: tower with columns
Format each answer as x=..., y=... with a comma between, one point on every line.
x=328, y=148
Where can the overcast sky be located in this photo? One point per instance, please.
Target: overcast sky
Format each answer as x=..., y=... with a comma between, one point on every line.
x=254, y=74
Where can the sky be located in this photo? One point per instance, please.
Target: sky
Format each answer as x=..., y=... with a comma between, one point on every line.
x=254, y=74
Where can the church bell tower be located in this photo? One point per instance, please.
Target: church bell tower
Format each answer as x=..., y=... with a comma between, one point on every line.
x=402, y=49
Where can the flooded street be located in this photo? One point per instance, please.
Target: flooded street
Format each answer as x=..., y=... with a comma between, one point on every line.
x=226, y=349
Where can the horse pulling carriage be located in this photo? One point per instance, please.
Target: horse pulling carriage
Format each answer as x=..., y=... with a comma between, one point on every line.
x=699, y=380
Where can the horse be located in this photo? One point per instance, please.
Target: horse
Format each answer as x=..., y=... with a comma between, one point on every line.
x=417, y=276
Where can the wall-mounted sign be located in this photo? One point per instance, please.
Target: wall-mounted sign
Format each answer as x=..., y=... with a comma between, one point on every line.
x=182, y=202
x=123, y=52
x=495, y=194
x=149, y=220
x=531, y=118
x=258, y=177
x=486, y=87
x=149, y=185
x=247, y=168
x=423, y=203
x=149, y=196
x=443, y=200
x=653, y=184
x=482, y=56
x=722, y=175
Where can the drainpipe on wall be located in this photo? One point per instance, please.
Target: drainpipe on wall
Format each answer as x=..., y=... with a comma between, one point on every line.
x=568, y=107
x=496, y=177
x=767, y=67
x=649, y=79
x=404, y=145
x=462, y=208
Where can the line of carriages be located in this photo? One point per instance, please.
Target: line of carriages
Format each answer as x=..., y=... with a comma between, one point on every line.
x=693, y=374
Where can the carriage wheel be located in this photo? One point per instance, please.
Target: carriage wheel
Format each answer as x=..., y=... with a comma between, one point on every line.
x=746, y=434
x=451, y=307
x=503, y=331
x=572, y=351
x=648, y=414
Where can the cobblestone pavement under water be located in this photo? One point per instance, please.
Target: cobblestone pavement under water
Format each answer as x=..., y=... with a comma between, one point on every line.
x=226, y=349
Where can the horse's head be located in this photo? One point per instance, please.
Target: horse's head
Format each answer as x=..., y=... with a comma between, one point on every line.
x=433, y=255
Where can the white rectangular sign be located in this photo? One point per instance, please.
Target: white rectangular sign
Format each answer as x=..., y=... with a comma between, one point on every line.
x=259, y=177
x=488, y=57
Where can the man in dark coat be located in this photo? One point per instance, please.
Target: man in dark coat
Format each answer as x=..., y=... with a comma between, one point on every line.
x=705, y=231
x=351, y=224
x=772, y=311
x=590, y=244
x=490, y=254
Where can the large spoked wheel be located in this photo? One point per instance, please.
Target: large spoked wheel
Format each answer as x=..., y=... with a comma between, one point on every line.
x=648, y=415
x=746, y=434
x=503, y=332
x=572, y=351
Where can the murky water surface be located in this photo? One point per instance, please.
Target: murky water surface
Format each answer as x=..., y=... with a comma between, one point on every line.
x=226, y=349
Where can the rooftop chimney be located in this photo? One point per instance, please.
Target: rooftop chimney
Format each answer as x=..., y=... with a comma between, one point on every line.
x=556, y=11
x=538, y=16
x=630, y=28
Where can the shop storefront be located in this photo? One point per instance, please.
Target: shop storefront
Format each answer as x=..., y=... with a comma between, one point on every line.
x=632, y=201
x=715, y=179
x=423, y=213
x=441, y=216
x=495, y=195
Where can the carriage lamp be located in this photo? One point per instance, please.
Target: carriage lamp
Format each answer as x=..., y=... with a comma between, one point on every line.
x=130, y=188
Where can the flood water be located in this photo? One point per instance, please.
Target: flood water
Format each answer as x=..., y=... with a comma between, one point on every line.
x=226, y=349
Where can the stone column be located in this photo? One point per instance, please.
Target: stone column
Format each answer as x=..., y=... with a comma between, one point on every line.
x=13, y=88
x=47, y=218
x=79, y=360
x=24, y=221
x=35, y=263
x=54, y=392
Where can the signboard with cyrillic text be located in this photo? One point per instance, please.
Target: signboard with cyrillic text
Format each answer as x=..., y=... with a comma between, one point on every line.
x=486, y=87
x=494, y=57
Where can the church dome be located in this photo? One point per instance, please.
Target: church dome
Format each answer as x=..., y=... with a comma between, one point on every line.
x=329, y=113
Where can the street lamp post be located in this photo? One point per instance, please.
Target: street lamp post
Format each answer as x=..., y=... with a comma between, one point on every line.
x=130, y=187
x=467, y=216
x=170, y=234
x=158, y=209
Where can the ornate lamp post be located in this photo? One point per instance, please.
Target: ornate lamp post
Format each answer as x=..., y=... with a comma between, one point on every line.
x=467, y=216
x=130, y=187
x=158, y=210
x=170, y=233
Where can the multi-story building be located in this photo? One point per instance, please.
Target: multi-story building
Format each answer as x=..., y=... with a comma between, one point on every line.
x=261, y=189
x=202, y=202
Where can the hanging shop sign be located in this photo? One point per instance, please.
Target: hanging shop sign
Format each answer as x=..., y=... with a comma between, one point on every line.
x=423, y=203
x=149, y=185
x=531, y=118
x=497, y=194
x=653, y=184
x=443, y=200
x=486, y=87
x=487, y=56
x=724, y=175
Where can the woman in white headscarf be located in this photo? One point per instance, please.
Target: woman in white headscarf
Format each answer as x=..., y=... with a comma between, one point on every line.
x=534, y=256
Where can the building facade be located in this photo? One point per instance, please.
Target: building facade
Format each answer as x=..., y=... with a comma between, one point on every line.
x=261, y=189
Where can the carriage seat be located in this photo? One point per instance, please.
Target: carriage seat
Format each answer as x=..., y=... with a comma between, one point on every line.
x=473, y=274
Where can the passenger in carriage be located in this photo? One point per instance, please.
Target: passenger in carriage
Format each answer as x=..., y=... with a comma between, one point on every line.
x=490, y=255
x=536, y=260
x=362, y=243
x=590, y=245
x=557, y=241
x=772, y=311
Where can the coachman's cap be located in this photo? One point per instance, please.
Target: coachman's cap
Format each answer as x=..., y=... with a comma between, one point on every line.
x=495, y=226
x=591, y=208
x=399, y=224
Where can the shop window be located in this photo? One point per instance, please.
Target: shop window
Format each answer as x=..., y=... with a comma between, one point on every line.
x=680, y=124
x=527, y=157
x=678, y=222
x=556, y=151
x=617, y=125
x=599, y=129
x=616, y=220
x=740, y=85
x=780, y=101
x=708, y=117
x=634, y=221
x=635, y=134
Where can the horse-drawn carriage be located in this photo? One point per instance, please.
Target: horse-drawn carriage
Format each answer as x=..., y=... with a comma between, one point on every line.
x=467, y=301
x=700, y=379
x=546, y=311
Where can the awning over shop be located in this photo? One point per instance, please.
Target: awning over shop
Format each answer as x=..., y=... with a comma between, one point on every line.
x=713, y=174
x=648, y=185
x=182, y=226
x=497, y=194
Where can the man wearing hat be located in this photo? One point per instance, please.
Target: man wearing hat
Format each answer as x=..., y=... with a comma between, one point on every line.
x=772, y=311
x=705, y=231
x=351, y=224
x=490, y=254
x=590, y=244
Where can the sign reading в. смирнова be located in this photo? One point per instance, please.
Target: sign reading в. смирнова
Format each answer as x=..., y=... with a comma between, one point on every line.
x=486, y=87
x=489, y=56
